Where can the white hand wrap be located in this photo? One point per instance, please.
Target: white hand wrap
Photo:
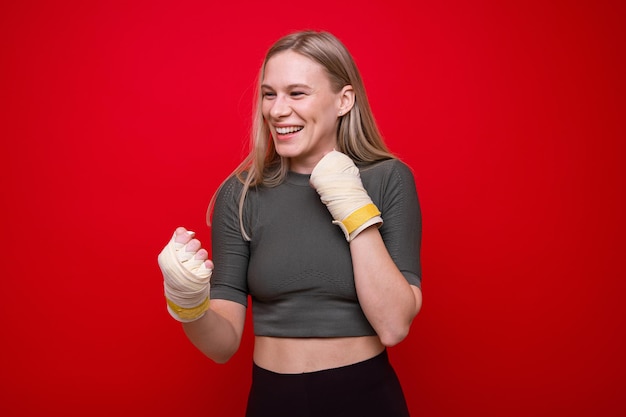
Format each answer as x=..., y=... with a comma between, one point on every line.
x=338, y=182
x=186, y=282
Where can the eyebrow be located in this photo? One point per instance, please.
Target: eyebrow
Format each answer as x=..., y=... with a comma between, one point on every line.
x=289, y=87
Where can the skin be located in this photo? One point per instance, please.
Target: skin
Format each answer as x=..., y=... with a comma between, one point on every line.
x=298, y=93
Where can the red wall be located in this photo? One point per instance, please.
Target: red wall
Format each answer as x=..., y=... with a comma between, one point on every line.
x=119, y=120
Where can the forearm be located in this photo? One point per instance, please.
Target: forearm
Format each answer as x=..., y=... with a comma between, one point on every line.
x=389, y=302
x=215, y=334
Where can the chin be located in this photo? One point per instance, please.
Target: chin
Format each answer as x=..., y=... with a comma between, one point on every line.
x=287, y=150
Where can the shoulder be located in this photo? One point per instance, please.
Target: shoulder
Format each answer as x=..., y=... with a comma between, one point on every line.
x=227, y=196
x=230, y=187
x=388, y=171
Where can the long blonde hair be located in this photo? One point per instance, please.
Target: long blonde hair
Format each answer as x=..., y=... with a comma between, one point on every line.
x=357, y=135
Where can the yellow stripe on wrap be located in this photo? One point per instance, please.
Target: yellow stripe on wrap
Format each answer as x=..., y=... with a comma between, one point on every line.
x=188, y=313
x=360, y=216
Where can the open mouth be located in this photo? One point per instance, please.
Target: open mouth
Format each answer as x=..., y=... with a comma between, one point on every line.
x=288, y=129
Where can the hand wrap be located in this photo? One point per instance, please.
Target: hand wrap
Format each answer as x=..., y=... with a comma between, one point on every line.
x=338, y=182
x=186, y=282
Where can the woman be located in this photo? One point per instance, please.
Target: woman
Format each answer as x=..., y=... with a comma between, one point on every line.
x=320, y=226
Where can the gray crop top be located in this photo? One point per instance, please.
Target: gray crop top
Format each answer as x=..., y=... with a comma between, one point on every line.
x=297, y=267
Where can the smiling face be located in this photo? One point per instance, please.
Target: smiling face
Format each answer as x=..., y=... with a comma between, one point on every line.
x=302, y=109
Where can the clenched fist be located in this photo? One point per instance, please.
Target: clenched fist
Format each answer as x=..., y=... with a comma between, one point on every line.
x=338, y=182
x=186, y=276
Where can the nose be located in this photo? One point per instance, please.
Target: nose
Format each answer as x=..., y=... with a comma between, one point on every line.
x=280, y=107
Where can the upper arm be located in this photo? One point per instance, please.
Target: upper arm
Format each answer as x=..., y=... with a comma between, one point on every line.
x=402, y=227
x=230, y=252
x=232, y=312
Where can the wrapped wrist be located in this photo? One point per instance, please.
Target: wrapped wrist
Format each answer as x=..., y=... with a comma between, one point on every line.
x=186, y=282
x=359, y=220
x=187, y=314
x=338, y=182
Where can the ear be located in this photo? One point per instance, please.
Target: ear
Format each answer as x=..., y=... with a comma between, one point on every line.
x=346, y=99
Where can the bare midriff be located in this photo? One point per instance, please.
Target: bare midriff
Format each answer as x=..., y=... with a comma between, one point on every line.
x=298, y=355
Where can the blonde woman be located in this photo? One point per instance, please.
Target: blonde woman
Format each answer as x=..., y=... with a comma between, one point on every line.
x=320, y=227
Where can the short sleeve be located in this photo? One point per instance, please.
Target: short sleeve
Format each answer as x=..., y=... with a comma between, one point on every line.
x=231, y=252
x=402, y=218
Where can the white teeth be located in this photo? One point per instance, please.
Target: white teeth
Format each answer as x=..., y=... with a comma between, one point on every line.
x=290, y=129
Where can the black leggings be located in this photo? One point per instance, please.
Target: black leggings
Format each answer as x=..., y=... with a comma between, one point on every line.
x=369, y=388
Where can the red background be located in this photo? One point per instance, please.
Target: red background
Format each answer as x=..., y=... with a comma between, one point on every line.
x=119, y=120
